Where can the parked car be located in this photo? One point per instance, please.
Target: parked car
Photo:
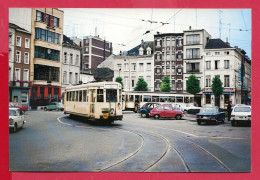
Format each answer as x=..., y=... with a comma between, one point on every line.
x=54, y=106
x=16, y=120
x=146, y=109
x=18, y=105
x=176, y=107
x=241, y=114
x=210, y=114
x=165, y=111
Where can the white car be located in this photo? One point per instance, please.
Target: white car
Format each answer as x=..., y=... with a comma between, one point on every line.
x=241, y=114
x=16, y=120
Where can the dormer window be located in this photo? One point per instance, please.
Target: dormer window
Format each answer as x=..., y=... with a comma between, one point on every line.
x=148, y=51
x=141, y=51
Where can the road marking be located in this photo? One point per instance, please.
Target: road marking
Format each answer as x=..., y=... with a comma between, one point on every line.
x=228, y=138
x=63, y=122
x=166, y=129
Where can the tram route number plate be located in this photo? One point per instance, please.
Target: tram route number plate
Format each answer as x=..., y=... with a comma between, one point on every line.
x=110, y=86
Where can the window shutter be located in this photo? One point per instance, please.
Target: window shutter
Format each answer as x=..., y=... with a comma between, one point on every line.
x=44, y=17
x=51, y=21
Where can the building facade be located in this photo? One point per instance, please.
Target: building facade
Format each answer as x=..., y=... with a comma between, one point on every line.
x=19, y=64
x=70, y=63
x=168, y=60
x=95, y=51
x=47, y=35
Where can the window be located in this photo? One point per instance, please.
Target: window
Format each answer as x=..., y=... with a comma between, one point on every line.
x=226, y=81
x=10, y=38
x=49, y=36
x=193, y=53
x=86, y=49
x=71, y=59
x=167, y=108
x=208, y=64
x=141, y=51
x=70, y=78
x=193, y=39
x=179, y=56
x=65, y=58
x=217, y=53
x=18, y=57
x=179, y=71
x=111, y=95
x=158, y=84
x=149, y=66
x=208, y=54
x=179, y=42
x=168, y=41
x=48, y=19
x=226, y=52
x=76, y=78
x=86, y=58
x=133, y=81
x=17, y=74
x=141, y=66
x=208, y=81
x=24, y=97
x=179, y=84
x=149, y=80
x=65, y=77
x=226, y=64
x=45, y=53
x=119, y=67
x=80, y=96
x=39, y=16
x=133, y=66
x=86, y=41
x=85, y=99
x=100, y=95
x=27, y=43
x=193, y=67
x=77, y=60
x=18, y=41
x=173, y=85
x=126, y=82
x=158, y=42
x=46, y=35
x=208, y=99
x=26, y=74
x=158, y=56
x=56, y=21
x=126, y=66
x=217, y=64
x=86, y=66
x=26, y=58
x=158, y=70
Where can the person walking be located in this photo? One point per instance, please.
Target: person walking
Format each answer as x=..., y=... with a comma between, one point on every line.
x=229, y=110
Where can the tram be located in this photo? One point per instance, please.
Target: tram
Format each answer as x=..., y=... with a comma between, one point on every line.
x=133, y=100
x=100, y=101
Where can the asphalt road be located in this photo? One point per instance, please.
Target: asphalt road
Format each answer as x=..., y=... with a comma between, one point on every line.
x=52, y=141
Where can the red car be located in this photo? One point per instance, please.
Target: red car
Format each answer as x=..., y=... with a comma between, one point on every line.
x=21, y=107
x=165, y=111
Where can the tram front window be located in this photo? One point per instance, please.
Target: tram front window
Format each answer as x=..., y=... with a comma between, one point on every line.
x=111, y=95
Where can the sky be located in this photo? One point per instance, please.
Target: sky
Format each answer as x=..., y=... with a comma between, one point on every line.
x=125, y=28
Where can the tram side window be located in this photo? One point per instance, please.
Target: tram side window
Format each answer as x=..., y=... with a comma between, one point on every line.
x=67, y=96
x=147, y=98
x=77, y=96
x=70, y=96
x=126, y=97
x=100, y=95
x=84, y=95
x=111, y=95
x=186, y=99
x=171, y=98
x=163, y=99
x=73, y=95
x=80, y=96
x=191, y=99
x=179, y=99
x=138, y=98
x=131, y=98
x=120, y=95
x=155, y=98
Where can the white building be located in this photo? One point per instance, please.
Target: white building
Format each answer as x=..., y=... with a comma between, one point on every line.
x=11, y=52
x=70, y=63
x=224, y=61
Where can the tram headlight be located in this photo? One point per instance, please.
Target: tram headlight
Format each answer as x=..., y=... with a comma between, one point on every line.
x=112, y=110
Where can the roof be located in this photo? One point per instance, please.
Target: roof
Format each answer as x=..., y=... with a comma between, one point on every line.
x=68, y=42
x=216, y=44
x=168, y=34
x=144, y=45
x=102, y=73
x=18, y=28
x=92, y=84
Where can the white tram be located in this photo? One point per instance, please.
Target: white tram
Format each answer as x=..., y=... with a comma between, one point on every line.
x=100, y=101
x=133, y=100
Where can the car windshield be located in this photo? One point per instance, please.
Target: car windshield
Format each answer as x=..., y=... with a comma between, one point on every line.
x=242, y=109
x=12, y=112
x=111, y=95
x=208, y=110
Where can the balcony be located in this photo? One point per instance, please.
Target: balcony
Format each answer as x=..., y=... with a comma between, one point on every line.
x=193, y=71
x=23, y=84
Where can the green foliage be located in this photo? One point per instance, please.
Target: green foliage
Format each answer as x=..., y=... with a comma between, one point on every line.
x=141, y=85
x=193, y=86
x=166, y=85
x=120, y=80
x=216, y=86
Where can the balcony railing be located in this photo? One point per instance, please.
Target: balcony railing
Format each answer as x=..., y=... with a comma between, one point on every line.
x=19, y=83
x=193, y=71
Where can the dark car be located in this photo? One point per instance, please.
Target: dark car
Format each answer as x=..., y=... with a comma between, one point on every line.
x=210, y=114
x=146, y=109
x=166, y=111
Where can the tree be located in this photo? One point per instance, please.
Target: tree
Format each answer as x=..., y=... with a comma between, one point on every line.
x=216, y=86
x=120, y=80
x=141, y=85
x=193, y=86
x=166, y=85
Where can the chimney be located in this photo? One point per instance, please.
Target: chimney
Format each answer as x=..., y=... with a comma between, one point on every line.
x=227, y=41
x=190, y=28
x=142, y=42
x=120, y=53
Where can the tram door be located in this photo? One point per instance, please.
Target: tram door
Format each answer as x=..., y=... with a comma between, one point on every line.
x=92, y=100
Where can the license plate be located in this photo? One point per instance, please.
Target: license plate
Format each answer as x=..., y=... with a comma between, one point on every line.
x=240, y=117
x=205, y=118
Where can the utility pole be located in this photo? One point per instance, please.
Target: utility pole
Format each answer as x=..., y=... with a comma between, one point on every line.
x=220, y=23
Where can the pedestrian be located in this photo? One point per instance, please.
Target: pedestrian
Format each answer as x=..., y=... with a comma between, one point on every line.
x=229, y=110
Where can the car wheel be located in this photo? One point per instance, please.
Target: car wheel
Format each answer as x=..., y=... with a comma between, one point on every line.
x=198, y=122
x=143, y=115
x=15, y=128
x=156, y=116
x=178, y=117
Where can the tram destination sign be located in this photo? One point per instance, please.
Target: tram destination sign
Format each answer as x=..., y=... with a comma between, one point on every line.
x=110, y=86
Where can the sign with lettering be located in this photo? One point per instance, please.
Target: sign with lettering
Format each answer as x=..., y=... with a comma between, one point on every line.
x=110, y=86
